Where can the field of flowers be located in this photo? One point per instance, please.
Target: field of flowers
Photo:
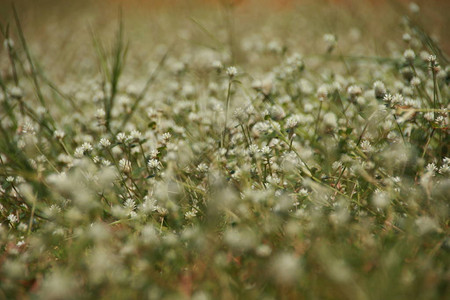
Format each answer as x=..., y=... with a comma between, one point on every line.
x=224, y=152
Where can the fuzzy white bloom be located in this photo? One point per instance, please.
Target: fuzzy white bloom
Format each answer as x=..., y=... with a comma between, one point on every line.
x=154, y=164
x=286, y=268
x=366, y=146
x=426, y=224
x=415, y=81
x=253, y=149
x=265, y=150
x=232, y=71
x=322, y=92
x=154, y=153
x=379, y=89
x=104, y=142
x=87, y=147
x=202, y=168
x=79, y=152
x=354, y=91
x=135, y=135
x=130, y=204
x=330, y=40
x=429, y=116
x=263, y=250
x=121, y=137
x=12, y=218
x=409, y=55
x=431, y=168
x=330, y=120
x=166, y=136
x=59, y=134
x=432, y=59
x=380, y=199
x=293, y=121
x=100, y=113
x=125, y=165
x=16, y=92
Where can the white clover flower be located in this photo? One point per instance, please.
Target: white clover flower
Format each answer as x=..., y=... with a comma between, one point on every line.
x=191, y=214
x=432, y=60
x=87, y=147
x=125, y=165
x=426, y=224
x=415, y=81
x=303, y=192
x=59, y=134
x=322, y=92
x=154, y=164
x=12, y=218
x=100, y=113
x=380, y=199
x=429, y=116
x=263, y=250
x=330, y=40
x=406, y=37
x=354, y=91
x=330, y=120
x=104, y=142
x=409, y=55
x=253, y=149
x=397, y=99
x=16, y=92
x=202, y=168
x=130, y=204
x=379, y=89
x=293, y=121
x=265, y=150
x=431, y=168
x=121, y=137
x=106, y=162
x=154, y=153
x=286, y=268
x=135, y=135
x=166, y=136
x=232, y=71
x=366, y=146
x=79, y=152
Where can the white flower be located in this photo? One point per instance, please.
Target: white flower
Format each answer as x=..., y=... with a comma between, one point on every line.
x=100, y=113
x=253, y=149
x=59, y=134
x=135, y=135
x=330, y=119
x=292, y=121
x=125, y=165
x=379, y=89
x=202, y=168
x=121, y=137
x=154, y=164
x=87, y=147
x=409, y=55
x=232, y=71
x=354, y=91
x=105, y=143
x=166, y=136
x=12, y=219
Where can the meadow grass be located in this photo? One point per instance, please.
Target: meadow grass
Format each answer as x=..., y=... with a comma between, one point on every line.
x=228, y=154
